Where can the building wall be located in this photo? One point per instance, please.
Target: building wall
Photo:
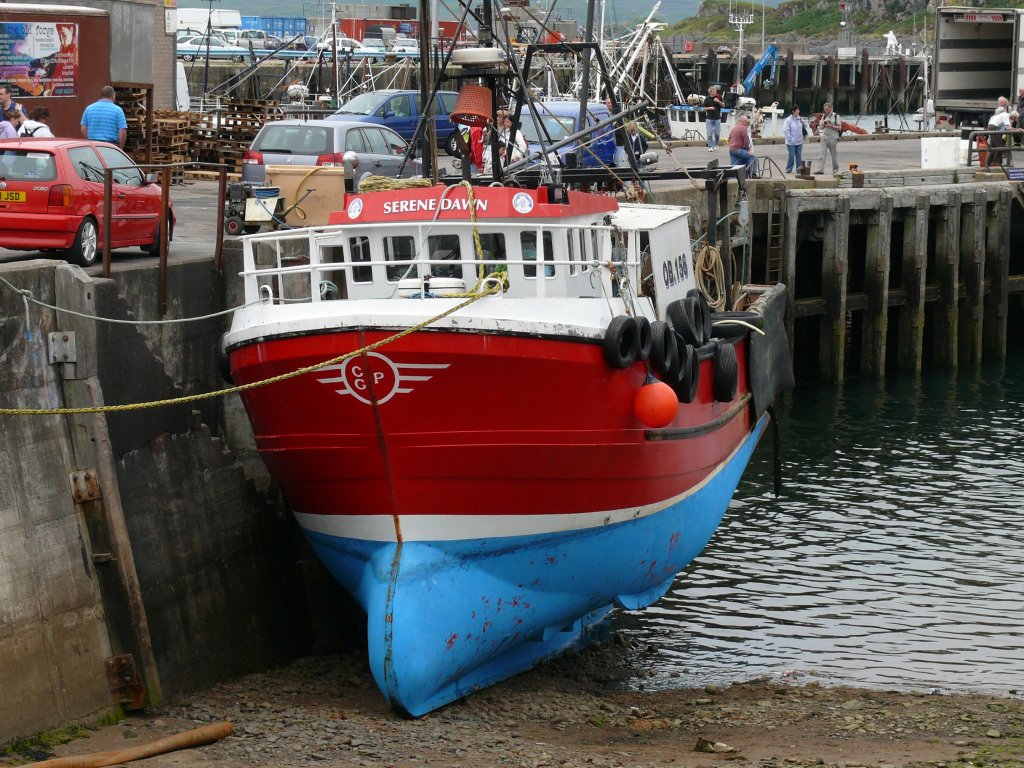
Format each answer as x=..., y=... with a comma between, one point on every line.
x=140, y=49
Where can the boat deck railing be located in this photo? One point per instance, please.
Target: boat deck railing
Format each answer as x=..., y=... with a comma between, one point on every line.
x=426, y=259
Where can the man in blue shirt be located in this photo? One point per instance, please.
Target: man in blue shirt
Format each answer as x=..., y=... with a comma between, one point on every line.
x=103, y=120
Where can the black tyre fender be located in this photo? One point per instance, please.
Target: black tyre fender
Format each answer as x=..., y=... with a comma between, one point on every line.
x=621, y=342
x=689, y=374
x=646, y=340
x=726, y=373
x=663, y=348
x=703, y=313
x=85, y=250
x=680, y=315
x=233, y=225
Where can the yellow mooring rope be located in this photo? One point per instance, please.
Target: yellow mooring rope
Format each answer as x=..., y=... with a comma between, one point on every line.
x=252, y=385
x=479, y=292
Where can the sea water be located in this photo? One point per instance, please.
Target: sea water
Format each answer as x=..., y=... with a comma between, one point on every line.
x=893, y=559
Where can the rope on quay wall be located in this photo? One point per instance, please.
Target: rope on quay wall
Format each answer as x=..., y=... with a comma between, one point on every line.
x=488, y=290
x=26, y=296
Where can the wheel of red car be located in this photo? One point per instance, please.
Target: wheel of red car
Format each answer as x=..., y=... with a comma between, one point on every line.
x=153, y=249
x=85, y=249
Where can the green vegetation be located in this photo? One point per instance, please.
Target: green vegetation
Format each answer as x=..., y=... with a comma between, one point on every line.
x=41, y=747
x=815, y=19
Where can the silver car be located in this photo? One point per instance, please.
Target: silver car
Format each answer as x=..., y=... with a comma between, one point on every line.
x=362, y=148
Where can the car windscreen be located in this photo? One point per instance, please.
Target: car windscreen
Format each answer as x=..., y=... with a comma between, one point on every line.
x=293, y=140
x=557, y=127
x=366, y=104
x=23, y=165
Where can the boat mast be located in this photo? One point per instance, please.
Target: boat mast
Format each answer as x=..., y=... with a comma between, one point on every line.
x=588, y=37
x=427, y=140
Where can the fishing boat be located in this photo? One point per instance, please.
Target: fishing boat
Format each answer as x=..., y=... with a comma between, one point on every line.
x=499, y=412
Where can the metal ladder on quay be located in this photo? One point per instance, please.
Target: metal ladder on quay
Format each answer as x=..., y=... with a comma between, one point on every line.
x=775, y=237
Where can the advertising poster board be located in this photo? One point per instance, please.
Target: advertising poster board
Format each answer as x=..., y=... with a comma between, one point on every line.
x=39, y=58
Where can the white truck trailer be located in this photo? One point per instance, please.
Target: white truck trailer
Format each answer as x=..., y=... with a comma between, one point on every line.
x=978, y=57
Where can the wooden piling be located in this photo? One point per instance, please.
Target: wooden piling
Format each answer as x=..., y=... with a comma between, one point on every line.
x=834, y=271
x=997, y=272
x=876, y=287
x=947, y=274
x=864, y=82
x=972, y=273
x=915, y=260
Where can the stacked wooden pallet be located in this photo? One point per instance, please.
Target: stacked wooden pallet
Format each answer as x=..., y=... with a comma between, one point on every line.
x=133, y=102
x=237, y=124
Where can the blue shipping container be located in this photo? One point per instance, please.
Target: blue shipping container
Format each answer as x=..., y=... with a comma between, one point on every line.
x=250, y=22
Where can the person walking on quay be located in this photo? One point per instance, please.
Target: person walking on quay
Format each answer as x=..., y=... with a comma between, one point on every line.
x=713, y=117
x=793, y=133
x=8, y=102
x=741, y=147
x=829, y=128
x=36, y=125
x=1001, y=122
x=103, y=120
x=636, y=141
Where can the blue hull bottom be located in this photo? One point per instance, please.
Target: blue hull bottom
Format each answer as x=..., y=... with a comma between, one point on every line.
x=445, y=618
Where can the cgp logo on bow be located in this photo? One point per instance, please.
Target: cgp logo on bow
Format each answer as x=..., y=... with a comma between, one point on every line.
x=376, y=376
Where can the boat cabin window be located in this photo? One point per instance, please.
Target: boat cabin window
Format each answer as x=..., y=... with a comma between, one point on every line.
x=492, y=245
x=646, y=266
x=401, y=249
x=445, y=248
x=528, y=244
x=571, y=251
x=359, y=250
x=333, y=283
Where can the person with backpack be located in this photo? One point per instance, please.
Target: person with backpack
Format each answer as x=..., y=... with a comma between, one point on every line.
x=36, y=125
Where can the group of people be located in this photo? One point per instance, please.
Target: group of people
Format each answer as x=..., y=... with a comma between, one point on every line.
x=1005, y=119
x=510, y=149
x=103, y=120
x=795, y=130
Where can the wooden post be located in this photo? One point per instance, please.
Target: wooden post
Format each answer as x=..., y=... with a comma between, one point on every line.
x=876, y=286
x=915, y=258
x=834, y=270
x=972, y=271
x=997, y=271
x=829, y=86
x=947, y=277
x=865, y=80
x=789, y=79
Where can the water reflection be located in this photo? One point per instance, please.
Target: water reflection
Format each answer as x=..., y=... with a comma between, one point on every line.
x=894, y=559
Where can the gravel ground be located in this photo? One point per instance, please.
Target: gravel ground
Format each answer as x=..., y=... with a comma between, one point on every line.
x=573, y=713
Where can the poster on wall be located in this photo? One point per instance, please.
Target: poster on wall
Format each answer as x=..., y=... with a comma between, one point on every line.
x=39, y=58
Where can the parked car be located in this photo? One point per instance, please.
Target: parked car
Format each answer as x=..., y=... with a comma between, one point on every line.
x=559, y=120
x=373, y=45
x=344, y=43
x=190, y=48
x=376, y=150
x=51, y=198
x=405, y=45
x=400, y=111
x=258, y=38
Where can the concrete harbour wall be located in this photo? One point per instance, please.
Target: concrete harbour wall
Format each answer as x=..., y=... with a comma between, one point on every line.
x=134, y=538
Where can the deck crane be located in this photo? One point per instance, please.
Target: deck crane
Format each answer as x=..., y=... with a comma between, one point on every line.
x=770, y=57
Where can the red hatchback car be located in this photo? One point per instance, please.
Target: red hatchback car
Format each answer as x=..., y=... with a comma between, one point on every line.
x=51, y=198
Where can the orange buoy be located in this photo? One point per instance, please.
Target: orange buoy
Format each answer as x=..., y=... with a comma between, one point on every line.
x=982, y=143
x=655, y=404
